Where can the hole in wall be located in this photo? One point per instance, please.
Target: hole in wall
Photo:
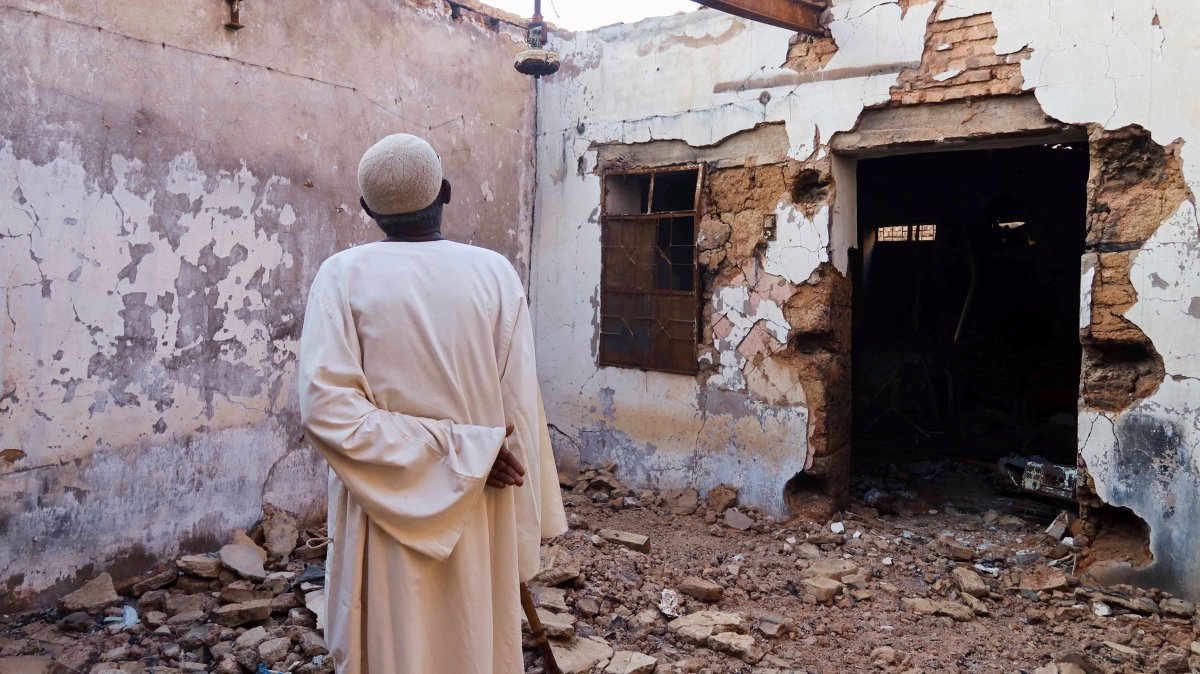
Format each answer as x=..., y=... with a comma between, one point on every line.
x=1117, y=537
x=965, y=338
x=808, y=496
x=810, y=186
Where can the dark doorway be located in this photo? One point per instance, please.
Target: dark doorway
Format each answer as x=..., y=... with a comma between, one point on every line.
x=966, y=307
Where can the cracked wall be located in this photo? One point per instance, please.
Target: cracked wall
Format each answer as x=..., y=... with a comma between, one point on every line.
x=167, y=190
x=753, y=418
x=773, y=350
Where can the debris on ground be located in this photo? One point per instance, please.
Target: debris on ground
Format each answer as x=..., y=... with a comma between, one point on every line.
x=246, y=607
x=910, y=587
x=635, y=587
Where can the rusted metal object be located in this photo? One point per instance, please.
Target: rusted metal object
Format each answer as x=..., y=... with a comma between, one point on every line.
x=537, y=61
x=797, y=15
x=649, y=282
x=549, y=664
x=235, y=15
x=1035, y=476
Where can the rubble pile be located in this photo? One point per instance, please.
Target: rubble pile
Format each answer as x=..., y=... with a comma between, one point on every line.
x=256, y=603
x=668, y=583
x=672, y=582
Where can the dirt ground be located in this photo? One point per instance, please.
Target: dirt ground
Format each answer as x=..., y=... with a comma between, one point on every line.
x=901, y=607
x=922, y=579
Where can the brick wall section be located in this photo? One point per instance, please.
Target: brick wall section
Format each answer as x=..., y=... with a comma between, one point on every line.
x=964, y=48
x=807, y=54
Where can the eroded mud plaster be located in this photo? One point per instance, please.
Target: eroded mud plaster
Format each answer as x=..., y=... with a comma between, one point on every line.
x=755, y=415
x=162, y=210
x=1116, y=64
x=1096, y=65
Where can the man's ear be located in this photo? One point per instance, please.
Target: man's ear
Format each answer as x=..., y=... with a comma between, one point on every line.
x=444, y=195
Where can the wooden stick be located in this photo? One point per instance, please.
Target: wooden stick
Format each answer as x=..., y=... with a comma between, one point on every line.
x=539, y=632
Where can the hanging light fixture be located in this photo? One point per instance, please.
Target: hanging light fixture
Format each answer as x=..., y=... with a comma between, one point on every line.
x=537, y=60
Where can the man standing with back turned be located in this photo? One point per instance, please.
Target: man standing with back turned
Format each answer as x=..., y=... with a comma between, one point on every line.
x=417, y=384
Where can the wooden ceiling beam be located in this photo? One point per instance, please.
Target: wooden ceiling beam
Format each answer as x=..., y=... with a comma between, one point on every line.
x=798, y=15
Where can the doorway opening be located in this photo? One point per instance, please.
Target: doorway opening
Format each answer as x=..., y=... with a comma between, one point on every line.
x=965, y=343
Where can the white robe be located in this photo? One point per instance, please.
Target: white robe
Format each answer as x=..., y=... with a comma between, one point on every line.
x=414, y=360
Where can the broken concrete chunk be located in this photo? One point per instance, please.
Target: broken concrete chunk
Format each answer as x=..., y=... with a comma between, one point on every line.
x=174, y=604
x=315, y=602
x=551, y=598
x=969, y=582
x=244, y=560
x=239, y=595
x=1045, y=579
x=154, y=582
x=581, y=654
x=94, y=595
x=588, y=606
x=695, y=634
x=202, y=566
x=631, y=662
x=1177, y=607
x=706, y=619
x=636, y=542
x=1058, y=528
x=683, y=502
x=808, y=551
x=701, y=589
x=721, y=498
x=948, y=547
x=186, y=618
x=975, y=604
x=954, y=610
x=233, y=615
x=771, y=626
x=240, y=537
x=274, y=650
x=251, y=638
x=1122, y=649
x=740, y=646
x=826, y=590
x=558, y=569
x=885, y=655
x=736, y=519
x=280, y=532
x=835, y=569
x=557, y=625
x=918, y=605
x=312, y=645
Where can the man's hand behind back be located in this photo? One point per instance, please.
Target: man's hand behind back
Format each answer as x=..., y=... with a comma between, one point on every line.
x=507, y=471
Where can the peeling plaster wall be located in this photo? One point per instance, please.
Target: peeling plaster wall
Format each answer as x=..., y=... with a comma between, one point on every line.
x=167, y=190
x=704, y=77
x=1114, y=63
x=746, y=420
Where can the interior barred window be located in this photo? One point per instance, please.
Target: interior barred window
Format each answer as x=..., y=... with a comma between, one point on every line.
x=649, y=295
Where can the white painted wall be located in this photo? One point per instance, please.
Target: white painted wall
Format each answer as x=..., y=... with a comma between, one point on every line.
x=1107, y=62
x=650, y=81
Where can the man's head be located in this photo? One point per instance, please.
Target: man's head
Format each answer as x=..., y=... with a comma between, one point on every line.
x=402, y=186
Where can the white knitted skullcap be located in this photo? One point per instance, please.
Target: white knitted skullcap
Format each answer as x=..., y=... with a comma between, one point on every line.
x=399, y=174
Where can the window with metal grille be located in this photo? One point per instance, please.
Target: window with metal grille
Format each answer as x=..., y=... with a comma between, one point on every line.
x=649, y=283
x=906, y=232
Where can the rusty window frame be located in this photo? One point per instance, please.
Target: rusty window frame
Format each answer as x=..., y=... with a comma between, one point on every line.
x=665, y=315
x=905, y=233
